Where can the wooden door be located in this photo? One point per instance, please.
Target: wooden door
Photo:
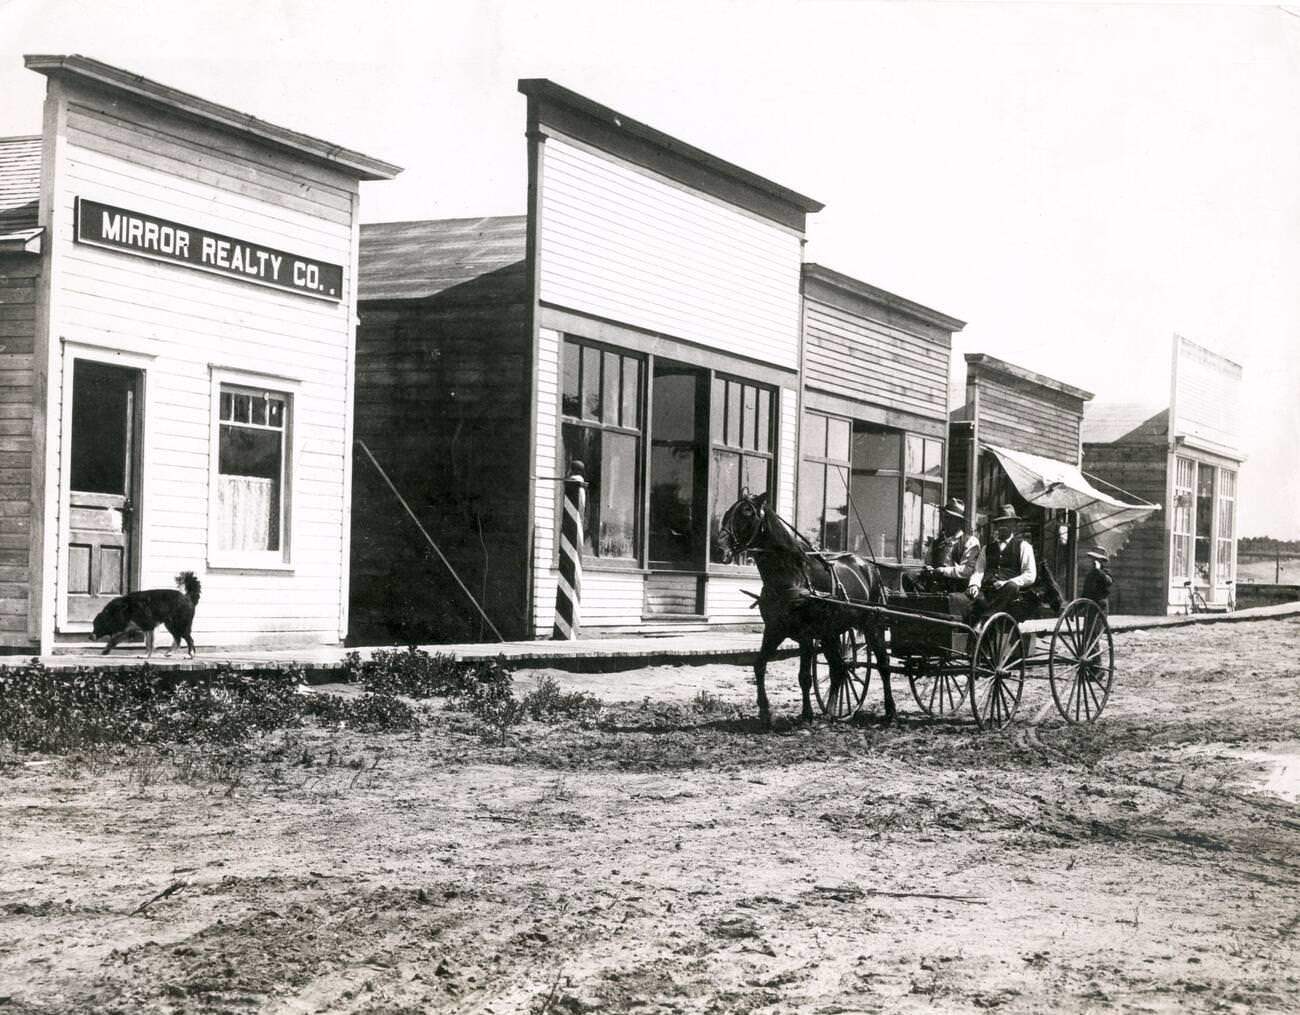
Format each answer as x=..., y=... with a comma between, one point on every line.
x=103, y=475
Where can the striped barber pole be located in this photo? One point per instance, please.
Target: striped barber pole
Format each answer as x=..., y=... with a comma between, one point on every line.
x=568, y=593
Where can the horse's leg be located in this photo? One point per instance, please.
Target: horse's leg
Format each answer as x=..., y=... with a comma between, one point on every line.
x=806, y=650
x=876, y=640
x=772, y=639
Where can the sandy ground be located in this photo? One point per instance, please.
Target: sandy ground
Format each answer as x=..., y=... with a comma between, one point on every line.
x=674, y=859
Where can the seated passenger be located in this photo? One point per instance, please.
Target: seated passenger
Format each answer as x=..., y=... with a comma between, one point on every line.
x=1006, y=566
x=954, y=557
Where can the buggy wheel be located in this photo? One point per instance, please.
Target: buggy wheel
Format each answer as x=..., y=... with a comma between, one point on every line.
x=841, y=699
x=936, y=687
x=1081, y=662
x=997, y=672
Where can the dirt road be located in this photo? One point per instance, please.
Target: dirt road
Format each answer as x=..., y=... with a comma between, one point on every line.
x=675, y=858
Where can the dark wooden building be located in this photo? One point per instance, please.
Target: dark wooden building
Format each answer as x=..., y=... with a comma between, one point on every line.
x=442, y=401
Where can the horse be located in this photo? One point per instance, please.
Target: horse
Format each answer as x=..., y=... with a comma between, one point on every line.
x=807, y=597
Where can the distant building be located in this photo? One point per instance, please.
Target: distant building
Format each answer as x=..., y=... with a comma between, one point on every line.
x=177, y=301
x=1184, y=455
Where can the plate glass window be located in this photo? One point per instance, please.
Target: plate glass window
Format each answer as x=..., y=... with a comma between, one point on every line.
x=251, y=471
x=601, y=406
x=741, y=439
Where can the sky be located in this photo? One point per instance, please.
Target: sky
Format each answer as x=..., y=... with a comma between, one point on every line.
x=1077, y=182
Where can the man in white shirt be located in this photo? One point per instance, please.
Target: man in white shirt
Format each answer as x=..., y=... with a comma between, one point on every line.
x=1006, y=566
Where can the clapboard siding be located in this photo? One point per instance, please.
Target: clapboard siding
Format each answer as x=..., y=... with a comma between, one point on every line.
x=1141, y=569
x=18, y=283
x=622, y=244
x=787, y=453
x=725, y=600
x=189, y=149
x=187, y=322
x=1029, y=418
x=865, y=360
x=546, y=462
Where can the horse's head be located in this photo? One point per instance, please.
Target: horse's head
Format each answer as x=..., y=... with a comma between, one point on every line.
x=742, y=526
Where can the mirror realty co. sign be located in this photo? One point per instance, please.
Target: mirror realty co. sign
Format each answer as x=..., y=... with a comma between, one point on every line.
x=102, y=225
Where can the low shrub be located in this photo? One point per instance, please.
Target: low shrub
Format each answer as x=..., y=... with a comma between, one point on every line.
x=547, y=703
x=411, y=671
x=369, y=713
x=80, y=708
x=489, y=696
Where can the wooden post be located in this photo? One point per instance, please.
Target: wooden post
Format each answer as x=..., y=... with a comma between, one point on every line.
x=1277, y=566
x=568, y=592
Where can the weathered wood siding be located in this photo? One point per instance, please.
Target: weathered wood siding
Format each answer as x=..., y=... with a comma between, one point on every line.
x=1028, y=417
x=139, y=158
x=869, y=360
x=18, y=281
x=1141, y=569
x=442, y=403
x=623, y=244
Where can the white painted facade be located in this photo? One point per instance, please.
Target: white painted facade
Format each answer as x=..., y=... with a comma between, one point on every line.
x=623, y=244
x=189, y=332
x=644, y=263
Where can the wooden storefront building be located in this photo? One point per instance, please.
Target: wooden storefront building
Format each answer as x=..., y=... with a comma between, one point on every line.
x=177, y=309
x=1016, y=424
x=1185, y=456
x=874, y=426
x=642, y=317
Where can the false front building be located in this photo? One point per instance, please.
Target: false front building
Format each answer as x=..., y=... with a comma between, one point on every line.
x=643, y=317
x=177, y=308
x=1185, y=456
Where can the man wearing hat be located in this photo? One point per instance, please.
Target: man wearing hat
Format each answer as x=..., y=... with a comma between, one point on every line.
x=956, y=555
x=1005, y=566
x=1097, y=585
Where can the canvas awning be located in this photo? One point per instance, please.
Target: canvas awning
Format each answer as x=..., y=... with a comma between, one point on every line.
x=1103, y=520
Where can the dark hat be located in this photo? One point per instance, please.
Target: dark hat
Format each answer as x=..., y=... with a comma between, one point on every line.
x=1008, y=514
x=1099, y=553
x=955, y=507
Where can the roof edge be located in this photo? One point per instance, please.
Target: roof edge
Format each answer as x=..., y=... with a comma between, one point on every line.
x=544, y=88
x=983, y=359
x=881, y=297
x=76, y=66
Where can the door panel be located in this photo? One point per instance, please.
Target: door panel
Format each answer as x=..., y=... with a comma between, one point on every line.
x=103, y=474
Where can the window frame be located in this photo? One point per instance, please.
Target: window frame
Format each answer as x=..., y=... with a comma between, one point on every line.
x=1176, y=516
x=592, y=561
x=249, y=382
x=1225, y=496
x=742, y=564
x=925, y=481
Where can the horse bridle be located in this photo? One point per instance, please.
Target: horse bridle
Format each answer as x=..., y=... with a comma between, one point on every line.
x=737, y=545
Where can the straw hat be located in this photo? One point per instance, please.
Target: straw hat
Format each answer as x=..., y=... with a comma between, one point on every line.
x=955, y=507
x=1008, y=515
x=1099, y=553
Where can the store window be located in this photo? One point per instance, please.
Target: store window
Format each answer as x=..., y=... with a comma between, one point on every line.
x=741, y=440
x=250, y=510
x=1204, y=541
x=877, y=481
x=1223, y=562
x=922, y=494
x=601, y=427
x=867, y=489
x=1181, y=523
x=823, y=512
